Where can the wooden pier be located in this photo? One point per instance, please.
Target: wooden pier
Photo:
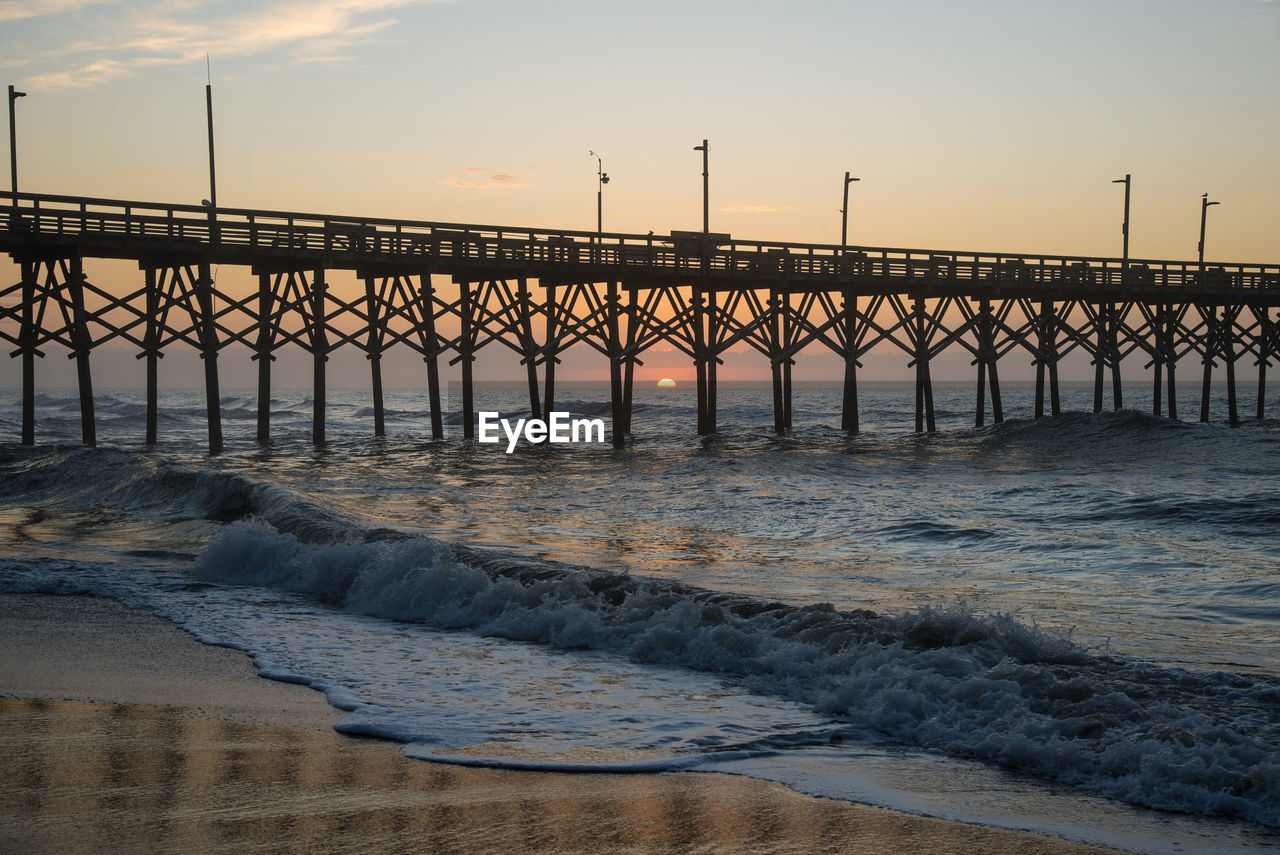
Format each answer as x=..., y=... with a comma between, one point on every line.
x=540, y=292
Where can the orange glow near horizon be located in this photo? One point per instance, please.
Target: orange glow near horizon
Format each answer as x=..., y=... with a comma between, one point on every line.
x=667, y=382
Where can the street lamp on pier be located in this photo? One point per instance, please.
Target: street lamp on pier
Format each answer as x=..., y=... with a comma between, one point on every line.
x=1204, y=211
x=14, y=95
x=844, y=212
x=602, y=178
x=706, y=210
x=1124, y=229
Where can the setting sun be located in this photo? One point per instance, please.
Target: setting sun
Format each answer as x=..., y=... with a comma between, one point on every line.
x=666, y=382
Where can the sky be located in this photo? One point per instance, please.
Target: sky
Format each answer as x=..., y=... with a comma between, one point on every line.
x=991, y=125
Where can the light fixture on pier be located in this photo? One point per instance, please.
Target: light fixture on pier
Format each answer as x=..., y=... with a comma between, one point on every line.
x=1204, y=211
x=706, y=209
x=1124, y=229
x=602, y=178
x=14, y=95
x=844, y=211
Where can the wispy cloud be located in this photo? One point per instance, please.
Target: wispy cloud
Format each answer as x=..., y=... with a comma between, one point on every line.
x=91, y=74
x=753, y=209
x=165, y=32
x=16, y=10
x=497, y=180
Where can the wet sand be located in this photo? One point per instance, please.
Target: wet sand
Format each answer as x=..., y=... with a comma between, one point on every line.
x=121, y=733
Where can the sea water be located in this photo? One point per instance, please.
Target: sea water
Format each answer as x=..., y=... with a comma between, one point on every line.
x=1070, y=625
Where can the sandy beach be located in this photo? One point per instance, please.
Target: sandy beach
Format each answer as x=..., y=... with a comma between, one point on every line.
x=119, y=732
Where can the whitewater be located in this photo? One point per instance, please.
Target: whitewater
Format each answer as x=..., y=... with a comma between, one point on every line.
x=1067, y=625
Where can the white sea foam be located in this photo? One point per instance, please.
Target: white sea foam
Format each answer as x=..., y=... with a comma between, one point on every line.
x=990, y=687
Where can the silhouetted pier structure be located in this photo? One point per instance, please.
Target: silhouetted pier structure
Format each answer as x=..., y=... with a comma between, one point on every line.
x=540, y=292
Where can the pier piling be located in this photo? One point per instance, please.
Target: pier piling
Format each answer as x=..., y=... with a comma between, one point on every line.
x=81, y=343
x=27, y=338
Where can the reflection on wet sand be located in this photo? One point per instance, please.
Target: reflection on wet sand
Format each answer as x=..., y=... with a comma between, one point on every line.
x=97, y=777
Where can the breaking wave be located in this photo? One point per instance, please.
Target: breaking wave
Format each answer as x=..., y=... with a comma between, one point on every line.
x=984, y=687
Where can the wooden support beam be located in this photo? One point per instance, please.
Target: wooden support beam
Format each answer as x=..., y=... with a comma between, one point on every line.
x=1266, y=343
x=1157, y=360
x=788, y=339
x=1100, y=356
x=616, y=404
x=924, y=383
x=319, y=354
x=427, y=314
x=1262, y=390
x=263, y=354
x=152, y=353
x=82, y=344
x=28, y=337
x=997, y=405
x=1229, y=316
x=1210, y=348
x=529, y=348
x=986, y=358
x=849, y=402
x=713, y=358
x=552, y=349
x=629, y=368
x=700, y=356
x=373, y=351
x=1171, y=360
x=1047, y=360
x=209, y=353
x=1055, y=397
x=775, y=361
x=1113, y=345
x=467, y=355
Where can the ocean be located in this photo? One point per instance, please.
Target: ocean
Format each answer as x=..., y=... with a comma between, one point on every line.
x=1069, y=625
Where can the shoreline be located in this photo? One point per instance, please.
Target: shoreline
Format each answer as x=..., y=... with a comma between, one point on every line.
x=120, y=731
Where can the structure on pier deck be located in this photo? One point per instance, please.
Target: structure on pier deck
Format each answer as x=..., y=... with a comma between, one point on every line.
x=541, y=292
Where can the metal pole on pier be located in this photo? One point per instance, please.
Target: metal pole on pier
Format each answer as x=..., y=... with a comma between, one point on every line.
x=706, y=198
x=208, y=104
x=844, y=213
x=1204, y=211
x=602, y=178
x=1127, y=181
x=14, y=95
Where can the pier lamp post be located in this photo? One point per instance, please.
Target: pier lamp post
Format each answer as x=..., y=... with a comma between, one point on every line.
x=14, y=95
x=1204, y=211
x=602, y=178
x=706, y=210
x=1124, y=229
x=844, y=212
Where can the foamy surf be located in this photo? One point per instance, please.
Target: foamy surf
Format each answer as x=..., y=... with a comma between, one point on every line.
x=982, y=687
